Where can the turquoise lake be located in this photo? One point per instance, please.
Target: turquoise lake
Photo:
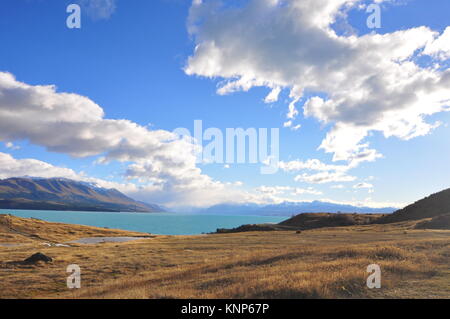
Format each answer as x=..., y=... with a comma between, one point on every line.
x=159, y=223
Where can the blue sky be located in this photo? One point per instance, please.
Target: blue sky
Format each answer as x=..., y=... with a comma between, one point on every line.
x=139, y=63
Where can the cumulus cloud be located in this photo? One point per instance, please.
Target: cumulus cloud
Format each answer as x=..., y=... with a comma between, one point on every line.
x=11, y=167
x=356, y=83
x=327, y=173
x=440, y=47
x=75, y=125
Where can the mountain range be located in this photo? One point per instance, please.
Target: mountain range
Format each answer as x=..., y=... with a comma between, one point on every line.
x=65, y=194
x=293, y=208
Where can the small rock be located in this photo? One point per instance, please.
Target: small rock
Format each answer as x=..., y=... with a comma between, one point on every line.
x=36, y=258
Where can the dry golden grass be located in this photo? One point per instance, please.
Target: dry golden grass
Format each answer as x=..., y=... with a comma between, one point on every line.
x=323, y=263
x=29, y=230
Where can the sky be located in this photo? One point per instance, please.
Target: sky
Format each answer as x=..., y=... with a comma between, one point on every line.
x=361, y=112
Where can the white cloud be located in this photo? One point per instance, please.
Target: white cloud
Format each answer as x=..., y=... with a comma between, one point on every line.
x=273, y=190
x=365, y=83
x=311, y=164
x=293, y=112
x=11, y=167
x=273, y=95
x=282, y=190
x=291, y=125
x=75, y=125
x=11, y=146
x=287, y=124
x=362, y=185
x=309, y=191
x=440, y=47
x=324, y=177
x=327, y=173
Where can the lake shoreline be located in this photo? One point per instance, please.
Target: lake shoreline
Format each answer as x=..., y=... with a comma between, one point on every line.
x=174, y=224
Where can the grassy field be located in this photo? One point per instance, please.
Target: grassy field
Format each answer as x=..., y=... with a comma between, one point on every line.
x=322, y=263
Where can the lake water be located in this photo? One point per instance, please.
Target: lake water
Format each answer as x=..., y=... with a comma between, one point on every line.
x=155, y=223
